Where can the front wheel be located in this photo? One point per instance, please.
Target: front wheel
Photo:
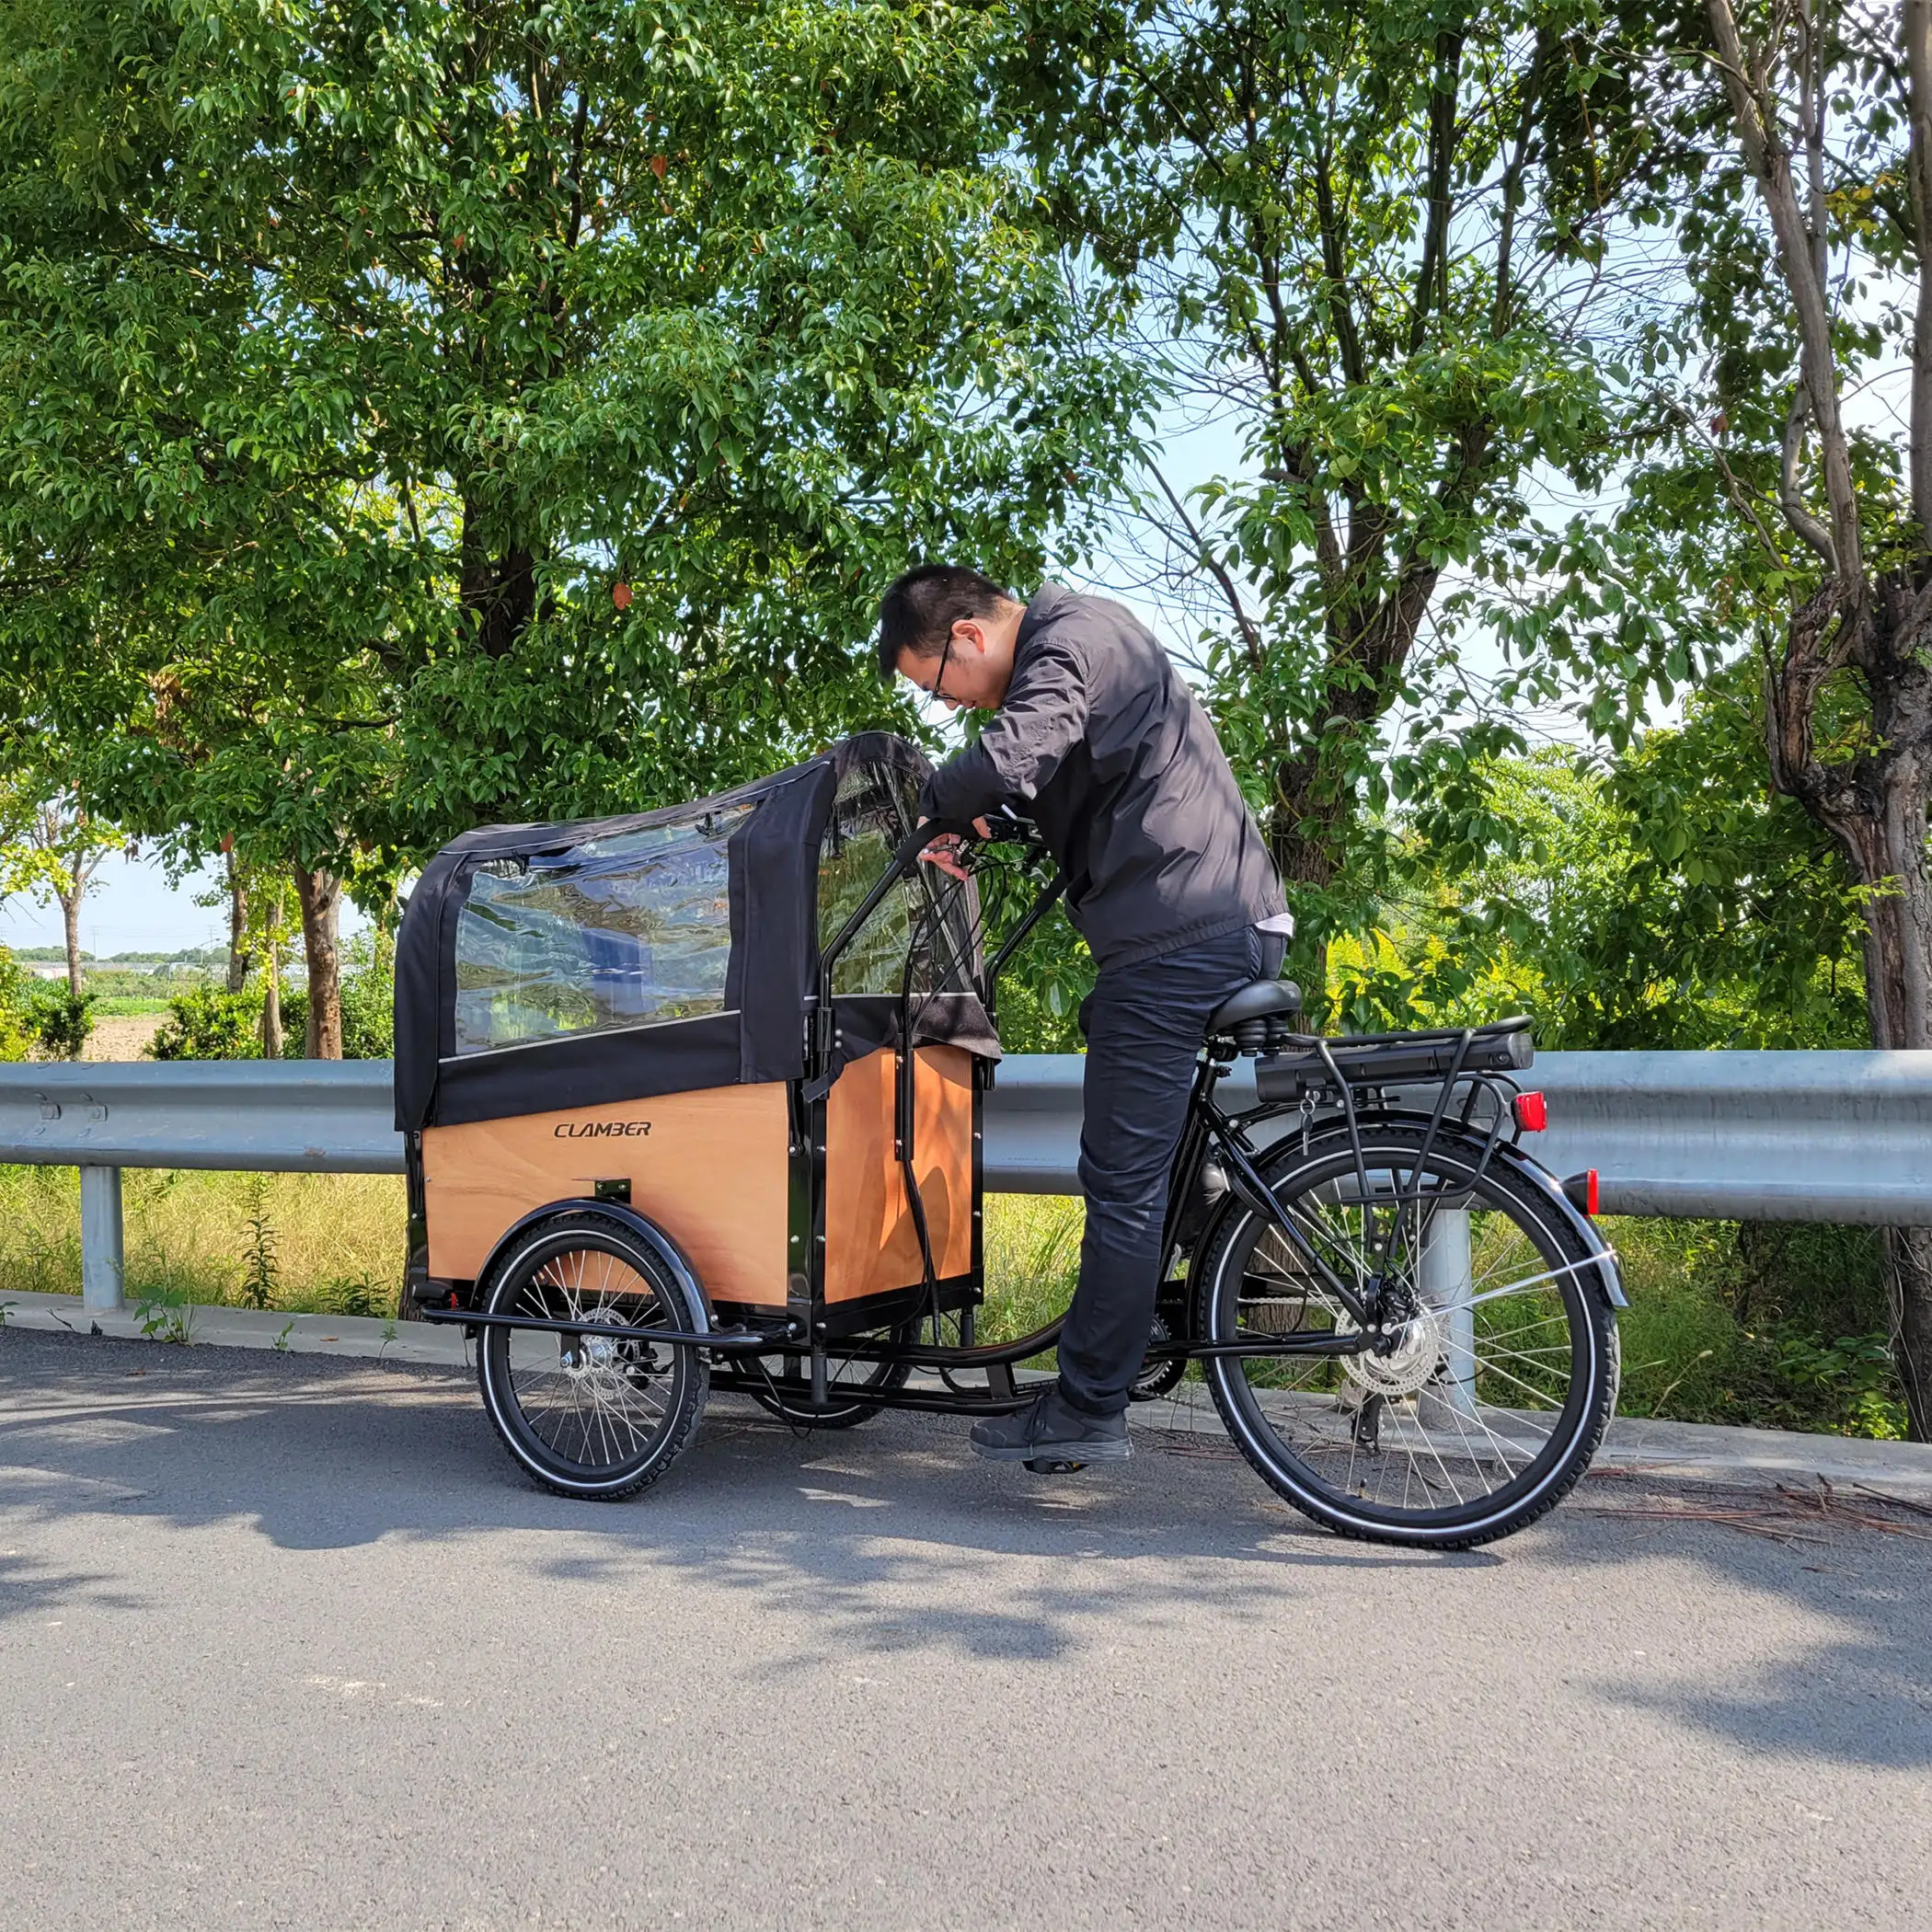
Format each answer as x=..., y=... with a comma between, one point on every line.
x=597, y=1409
x=1492, y=1374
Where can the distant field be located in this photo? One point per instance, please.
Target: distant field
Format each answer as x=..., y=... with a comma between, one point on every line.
x=123, y=1036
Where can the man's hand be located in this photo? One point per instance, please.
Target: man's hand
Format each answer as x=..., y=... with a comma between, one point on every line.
x=944, y=851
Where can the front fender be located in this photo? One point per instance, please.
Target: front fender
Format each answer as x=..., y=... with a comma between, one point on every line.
x=647, y=1231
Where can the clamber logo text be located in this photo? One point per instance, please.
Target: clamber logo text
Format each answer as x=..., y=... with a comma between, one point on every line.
x=600, y=1130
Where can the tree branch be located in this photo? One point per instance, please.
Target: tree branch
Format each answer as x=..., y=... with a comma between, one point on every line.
x=1770, y=164
x=1249, y=636
x=1917, y=30
x=1790, y=493
x=1433, y=267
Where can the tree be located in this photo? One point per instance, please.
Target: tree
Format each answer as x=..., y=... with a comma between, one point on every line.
x=503, y=412
x=1365, y=241
x=52, y=848
x=1664, y=897
x=1767, y=500
x=241, y=955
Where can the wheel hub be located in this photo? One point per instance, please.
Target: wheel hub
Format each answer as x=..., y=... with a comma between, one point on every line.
x=589, y=1356
x=1398, y=1365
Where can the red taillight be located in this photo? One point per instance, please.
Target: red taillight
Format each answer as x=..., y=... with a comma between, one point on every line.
x=1532, y=1115
x=1581, y=1188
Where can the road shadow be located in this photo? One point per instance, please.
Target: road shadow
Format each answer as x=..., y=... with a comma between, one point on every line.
x=1865, y=1697
x=894, y=1537
x=869, y=1535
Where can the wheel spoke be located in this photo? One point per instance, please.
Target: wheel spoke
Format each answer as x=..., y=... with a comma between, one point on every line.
x=592, y=1401
x=1388, y=1431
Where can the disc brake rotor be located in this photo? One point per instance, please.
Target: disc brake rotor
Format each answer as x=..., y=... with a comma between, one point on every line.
x=1407, y=1366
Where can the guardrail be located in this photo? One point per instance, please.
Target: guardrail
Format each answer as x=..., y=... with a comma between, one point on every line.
x=1800, y=1136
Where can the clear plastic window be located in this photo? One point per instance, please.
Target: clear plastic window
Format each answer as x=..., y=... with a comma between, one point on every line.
x=634, y=929
x=925, y=919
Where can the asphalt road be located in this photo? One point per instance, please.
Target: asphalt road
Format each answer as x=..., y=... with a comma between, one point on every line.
x=286, y=1642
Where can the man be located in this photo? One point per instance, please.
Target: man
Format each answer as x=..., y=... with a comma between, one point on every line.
x=1097, y=738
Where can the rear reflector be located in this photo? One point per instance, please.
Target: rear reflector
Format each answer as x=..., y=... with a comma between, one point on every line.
x=1532, y=1116
x=1581, y=1191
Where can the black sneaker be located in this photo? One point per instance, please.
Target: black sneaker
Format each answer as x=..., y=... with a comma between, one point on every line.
x=1052, y=1437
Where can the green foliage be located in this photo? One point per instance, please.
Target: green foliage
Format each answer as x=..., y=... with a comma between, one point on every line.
x=16, y=1030
x=1042, y=987
x=166, y=1314
x=50, y=844
x=1661, y=899
x=62, y=1020
x=261, y=1272
x=1365, y=242
x=188, y=1237
x=1779, y=1326
x=210, y=1023
x=466, y=413
x=360, y=1294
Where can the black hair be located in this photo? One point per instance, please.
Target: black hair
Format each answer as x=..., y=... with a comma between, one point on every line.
x=918, y=613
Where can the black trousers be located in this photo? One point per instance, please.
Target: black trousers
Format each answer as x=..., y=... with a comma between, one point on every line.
x=1143, y=1026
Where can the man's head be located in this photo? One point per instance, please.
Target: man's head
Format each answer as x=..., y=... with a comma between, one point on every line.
x=952, y=632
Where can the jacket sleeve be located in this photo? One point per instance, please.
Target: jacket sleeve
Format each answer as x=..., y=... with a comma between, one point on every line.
x=1043, y=718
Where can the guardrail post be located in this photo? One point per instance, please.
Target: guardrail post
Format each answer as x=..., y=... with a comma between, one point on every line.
x=1446, y=1281
x=103, y=1275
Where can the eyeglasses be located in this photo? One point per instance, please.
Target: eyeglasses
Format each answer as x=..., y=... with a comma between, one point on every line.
x=939, y=675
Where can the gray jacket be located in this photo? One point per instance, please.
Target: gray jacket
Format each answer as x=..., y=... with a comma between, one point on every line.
x=1103, y=746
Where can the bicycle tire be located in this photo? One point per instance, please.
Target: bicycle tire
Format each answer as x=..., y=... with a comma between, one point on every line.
x=788, y=1395
x=584, y=1438
x=1293, y=1442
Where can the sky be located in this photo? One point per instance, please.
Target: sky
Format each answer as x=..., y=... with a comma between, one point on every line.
x=133, y=909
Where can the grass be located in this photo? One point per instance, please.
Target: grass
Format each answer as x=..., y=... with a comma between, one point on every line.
x=1780, y=1328
x=326, y=1244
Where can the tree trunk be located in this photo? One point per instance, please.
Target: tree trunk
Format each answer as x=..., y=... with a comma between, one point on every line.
x=1874, y=805
x=240, y=959
x=320, y=892
x=272, y=1003
x=70, y=914
x=1908, y=1282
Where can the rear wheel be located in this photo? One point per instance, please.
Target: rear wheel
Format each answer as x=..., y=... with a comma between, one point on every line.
x=1492, y=1381
x=596, y=1409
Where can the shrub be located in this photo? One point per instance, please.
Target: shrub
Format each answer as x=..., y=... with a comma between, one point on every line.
x=210, y=1023
x=61, y=1019
x=15, y=1034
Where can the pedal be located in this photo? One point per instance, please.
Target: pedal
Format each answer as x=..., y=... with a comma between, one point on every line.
x=1055, y=1465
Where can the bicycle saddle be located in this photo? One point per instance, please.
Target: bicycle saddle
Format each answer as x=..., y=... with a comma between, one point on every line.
x=1254, y=1006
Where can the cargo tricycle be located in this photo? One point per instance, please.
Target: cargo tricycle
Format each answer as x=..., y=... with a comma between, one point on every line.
x=695, y=1099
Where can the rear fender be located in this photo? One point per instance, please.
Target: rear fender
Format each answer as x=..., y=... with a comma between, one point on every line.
x=1608, y=1281
x=1603, y=1276
x=647, y=1231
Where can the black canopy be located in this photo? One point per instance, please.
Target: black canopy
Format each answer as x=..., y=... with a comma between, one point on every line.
x=542, y=967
